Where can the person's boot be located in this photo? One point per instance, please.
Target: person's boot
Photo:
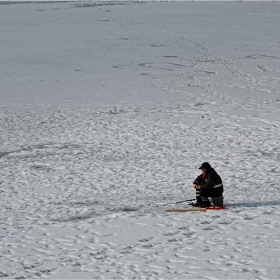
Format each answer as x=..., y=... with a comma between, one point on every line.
x=204, y=203
x=197, y=203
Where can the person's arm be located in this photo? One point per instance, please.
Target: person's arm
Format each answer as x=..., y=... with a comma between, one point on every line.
x=197, y=182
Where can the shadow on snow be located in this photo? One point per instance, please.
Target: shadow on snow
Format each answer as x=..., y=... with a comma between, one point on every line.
x=253, y=204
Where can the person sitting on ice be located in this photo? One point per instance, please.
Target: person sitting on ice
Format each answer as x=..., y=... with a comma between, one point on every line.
x=208, y=184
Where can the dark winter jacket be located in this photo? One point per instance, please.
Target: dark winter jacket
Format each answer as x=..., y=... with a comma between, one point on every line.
x=212, y=180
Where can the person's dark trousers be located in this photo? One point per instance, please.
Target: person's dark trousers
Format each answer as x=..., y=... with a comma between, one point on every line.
x=216, y=192
x=198, y=197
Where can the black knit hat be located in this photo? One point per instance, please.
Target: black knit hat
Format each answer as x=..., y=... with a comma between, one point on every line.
x=205, y=165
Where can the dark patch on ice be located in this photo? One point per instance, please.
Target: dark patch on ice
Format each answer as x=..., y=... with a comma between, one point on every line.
x=41, y=167
x=171, y=56
x=168, y=66
x=200, y=104
x=157, y=45
x=39, y=150
x=255, y=56
x=263, y=68
x=206, y=72
x=130, y=209
x=18, y=2
x=2, y=154
x=80, y=217
x=189, y=234
x=33, y=2
x=209, y=228
x=84, y=203
x=124, y=209
x=76, y=3
x=108, y=3
x=146, y=239
x=77, y=218
x=116, y=111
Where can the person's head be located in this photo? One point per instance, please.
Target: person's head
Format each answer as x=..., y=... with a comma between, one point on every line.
x=205, y=166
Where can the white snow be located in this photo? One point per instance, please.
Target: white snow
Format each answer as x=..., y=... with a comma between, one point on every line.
x=107, y=110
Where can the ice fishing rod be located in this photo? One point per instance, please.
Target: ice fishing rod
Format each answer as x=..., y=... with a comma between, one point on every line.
x=184, y=200
x=177, y=202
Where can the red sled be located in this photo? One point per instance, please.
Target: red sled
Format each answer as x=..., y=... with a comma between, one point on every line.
x=216, y=208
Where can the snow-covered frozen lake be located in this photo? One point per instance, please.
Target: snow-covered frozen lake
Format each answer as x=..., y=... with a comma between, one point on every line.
x=108, y=108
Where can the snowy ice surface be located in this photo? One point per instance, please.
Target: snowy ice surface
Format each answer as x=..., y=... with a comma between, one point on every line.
x=106, y=112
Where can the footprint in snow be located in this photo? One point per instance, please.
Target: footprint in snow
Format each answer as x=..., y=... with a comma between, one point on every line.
x=146, y=239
